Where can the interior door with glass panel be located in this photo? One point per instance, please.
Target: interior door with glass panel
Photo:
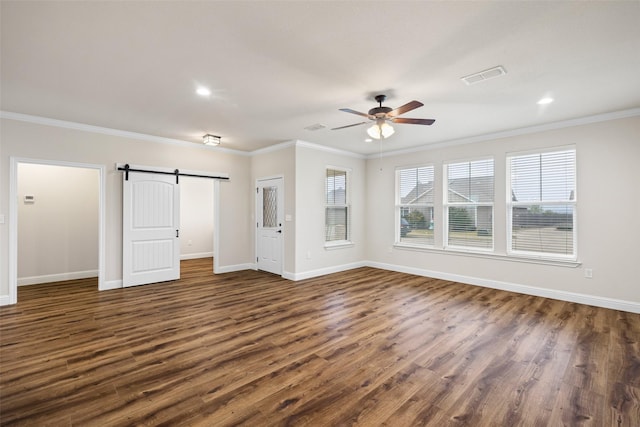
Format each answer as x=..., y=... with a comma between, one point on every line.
x=269, y=226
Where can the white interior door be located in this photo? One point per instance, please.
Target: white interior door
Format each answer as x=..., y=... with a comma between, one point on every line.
x=269, y=216
x=150, y=223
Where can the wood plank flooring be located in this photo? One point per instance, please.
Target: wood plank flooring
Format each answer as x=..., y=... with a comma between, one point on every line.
x=364, y=347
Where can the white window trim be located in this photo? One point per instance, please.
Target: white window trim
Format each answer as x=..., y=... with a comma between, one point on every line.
x=543, y=256
x=504, y=255
x=339, y=244
x=399, y=205
x=496, y=256
x=446, y=204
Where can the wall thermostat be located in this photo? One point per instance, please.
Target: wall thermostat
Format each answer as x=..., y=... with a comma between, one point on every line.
x=29, y=199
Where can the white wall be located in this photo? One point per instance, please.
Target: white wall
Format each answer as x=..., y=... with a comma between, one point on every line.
x=312, y=257
x=41, y=141
x=608, y=204
x=58, y=233
x=303, y=167
x=279, y=162
x=196, y=217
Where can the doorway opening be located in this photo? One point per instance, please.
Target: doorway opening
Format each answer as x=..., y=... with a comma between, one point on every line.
x=57, y=231
x=196, y=218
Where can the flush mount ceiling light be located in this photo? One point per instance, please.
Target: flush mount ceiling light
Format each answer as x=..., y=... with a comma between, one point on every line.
x=381, y=130
x=209, y=139
x=545, y=100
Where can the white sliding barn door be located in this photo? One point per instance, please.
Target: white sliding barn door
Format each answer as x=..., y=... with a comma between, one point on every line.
x=150, y=224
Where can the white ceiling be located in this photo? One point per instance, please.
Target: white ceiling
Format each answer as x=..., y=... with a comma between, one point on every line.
x=277, y=67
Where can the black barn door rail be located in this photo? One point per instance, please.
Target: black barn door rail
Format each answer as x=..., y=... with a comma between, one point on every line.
x=176, y=172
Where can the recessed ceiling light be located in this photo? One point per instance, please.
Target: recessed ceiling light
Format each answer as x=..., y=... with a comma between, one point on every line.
x=203, y=91
x=545, y=100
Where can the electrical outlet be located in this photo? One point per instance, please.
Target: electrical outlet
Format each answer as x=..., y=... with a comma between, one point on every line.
x=190, y=242
x=308, y=254
x=588, y=273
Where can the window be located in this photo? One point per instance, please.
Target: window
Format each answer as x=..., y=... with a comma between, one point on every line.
x=337, y=209
x=542, y=204
x=414, y=206
x=468, y=204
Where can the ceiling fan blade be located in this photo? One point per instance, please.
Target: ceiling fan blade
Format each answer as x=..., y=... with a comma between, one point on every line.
x=405, y=108
x=413, y=121
x=349, y=110
x=348, y=126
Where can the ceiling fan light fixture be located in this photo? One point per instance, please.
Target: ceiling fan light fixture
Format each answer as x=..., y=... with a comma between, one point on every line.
x=383, y=115
x=381, y=130
x=209, y=139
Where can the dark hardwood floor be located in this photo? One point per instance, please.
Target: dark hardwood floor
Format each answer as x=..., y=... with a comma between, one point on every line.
x=365, y=347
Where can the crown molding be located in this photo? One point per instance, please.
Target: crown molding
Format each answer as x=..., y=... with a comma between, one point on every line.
x=113, y=132
x=298, y=143
x=515, y=132
x=332, y=150
x=305, y=144
x=45, y=121
x=271, y=148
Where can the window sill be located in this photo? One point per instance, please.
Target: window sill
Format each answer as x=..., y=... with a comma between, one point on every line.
x=338, y=245
x=501, y=257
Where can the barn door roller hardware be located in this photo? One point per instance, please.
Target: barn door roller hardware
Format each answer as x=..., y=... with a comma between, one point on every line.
x=126, y=168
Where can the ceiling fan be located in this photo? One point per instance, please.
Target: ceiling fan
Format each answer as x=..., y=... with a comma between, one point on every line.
x=381, y=115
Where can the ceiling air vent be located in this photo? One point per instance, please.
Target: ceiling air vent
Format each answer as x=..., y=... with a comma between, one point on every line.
x=317, y=126
x=484, y=75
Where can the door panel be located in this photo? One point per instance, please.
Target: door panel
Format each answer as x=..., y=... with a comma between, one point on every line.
x=269, y=214
x=150, y=223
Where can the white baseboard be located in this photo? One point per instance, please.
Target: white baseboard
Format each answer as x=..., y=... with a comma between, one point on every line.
x=117, y=284
x=593, y=300
x=111, y=284
x=197, y=255
x=47, y=278
x=288, y=275
x=597, y=301
x=322, y=271
x=4, y=300
x=237, y=267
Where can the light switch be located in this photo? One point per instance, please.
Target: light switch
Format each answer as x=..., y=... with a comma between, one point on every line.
x=288, y=218
x=1, y=219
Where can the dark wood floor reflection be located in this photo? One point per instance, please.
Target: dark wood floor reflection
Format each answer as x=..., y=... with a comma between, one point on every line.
x=365, y=347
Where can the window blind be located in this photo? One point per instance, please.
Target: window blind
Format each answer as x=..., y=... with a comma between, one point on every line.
x=469, y=196
x=414, y=205
x=543, y=203
x=337, y=215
